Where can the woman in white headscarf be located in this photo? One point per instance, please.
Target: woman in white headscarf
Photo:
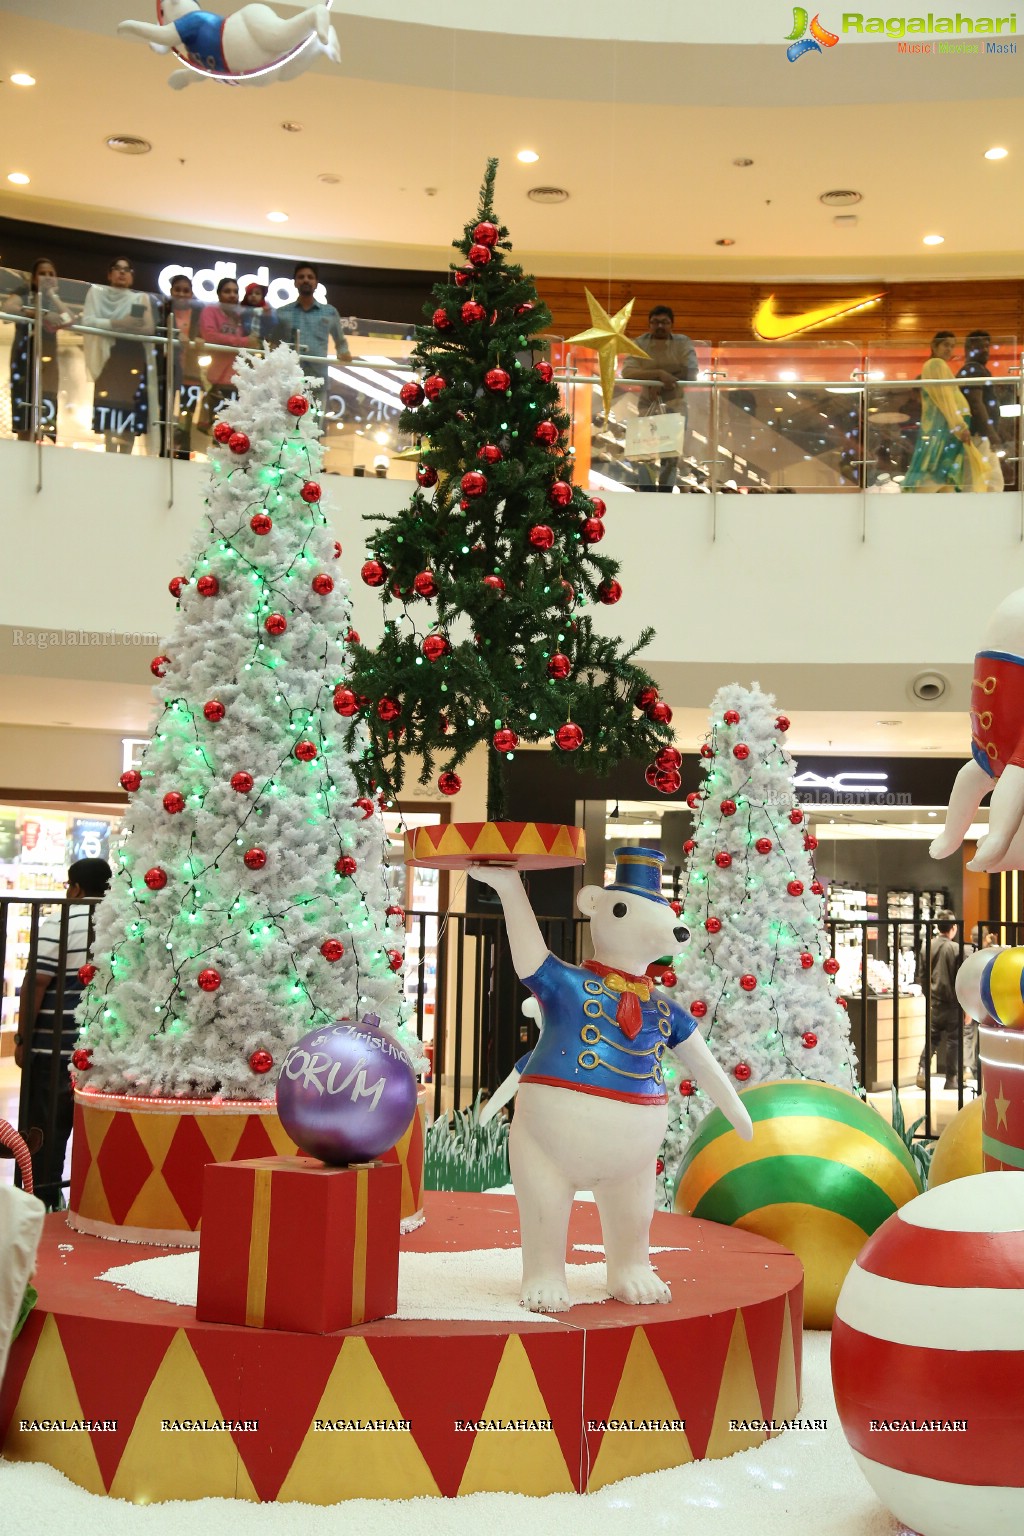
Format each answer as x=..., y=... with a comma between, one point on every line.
x=123, y=368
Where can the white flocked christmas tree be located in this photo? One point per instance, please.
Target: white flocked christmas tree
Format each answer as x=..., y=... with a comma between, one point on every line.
x=757, y=972
x=251, y=899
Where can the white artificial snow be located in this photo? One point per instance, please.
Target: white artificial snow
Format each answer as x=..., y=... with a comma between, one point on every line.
x=802, y=1483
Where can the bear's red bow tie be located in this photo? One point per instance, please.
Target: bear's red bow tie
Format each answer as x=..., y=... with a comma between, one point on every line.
x=632, y=990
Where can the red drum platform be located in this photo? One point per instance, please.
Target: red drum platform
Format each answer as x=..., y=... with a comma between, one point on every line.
x=394, y=1409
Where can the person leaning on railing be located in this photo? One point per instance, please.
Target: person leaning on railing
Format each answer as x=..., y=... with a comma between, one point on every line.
x=37, y=1023
x=224, y=325
x=310, y=325
x=673, y=359
x=121, y=364
x=182, y=315
x=42, y=289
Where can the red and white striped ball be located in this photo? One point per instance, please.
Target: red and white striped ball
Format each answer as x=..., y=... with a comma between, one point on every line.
x=928, y=1359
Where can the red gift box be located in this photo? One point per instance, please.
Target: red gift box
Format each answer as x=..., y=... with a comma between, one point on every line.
x=289, y=1243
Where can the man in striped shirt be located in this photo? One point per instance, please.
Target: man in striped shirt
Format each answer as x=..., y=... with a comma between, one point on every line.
x=41, y=1033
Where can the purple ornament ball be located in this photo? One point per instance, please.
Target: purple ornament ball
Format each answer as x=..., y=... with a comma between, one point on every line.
x=346, y=1093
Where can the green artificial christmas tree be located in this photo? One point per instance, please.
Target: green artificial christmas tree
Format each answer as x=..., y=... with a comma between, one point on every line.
x=487, y=574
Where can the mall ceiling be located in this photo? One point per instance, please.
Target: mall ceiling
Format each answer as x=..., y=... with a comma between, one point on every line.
x=643, y=135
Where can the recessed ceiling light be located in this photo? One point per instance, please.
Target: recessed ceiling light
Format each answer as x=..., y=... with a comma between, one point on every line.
x=291, y=126
x=934, y=239
x=742, y=162
x=997, y=152
x=841, y=197
x=548, y=195
x=725, y=240
x=528, y=156
x=277, y=217
x=127, y=144
x=19, y=178
x=888, y=722
x=329, y=178
x=21, y=78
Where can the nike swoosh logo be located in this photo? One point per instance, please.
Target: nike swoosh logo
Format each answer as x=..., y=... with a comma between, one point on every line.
x=768, y=326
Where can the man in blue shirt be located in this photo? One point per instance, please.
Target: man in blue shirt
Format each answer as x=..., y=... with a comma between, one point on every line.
x=309, y=325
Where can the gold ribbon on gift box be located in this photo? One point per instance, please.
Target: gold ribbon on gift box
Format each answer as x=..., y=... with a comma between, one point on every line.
x=259, y=1244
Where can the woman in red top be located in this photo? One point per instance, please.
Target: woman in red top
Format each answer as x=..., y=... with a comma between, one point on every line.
x=223, y=324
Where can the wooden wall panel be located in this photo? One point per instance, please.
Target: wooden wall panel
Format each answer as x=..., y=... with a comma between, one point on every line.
x=718, y=312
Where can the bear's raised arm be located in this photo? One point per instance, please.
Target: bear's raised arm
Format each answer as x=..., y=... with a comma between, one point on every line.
x=529, y=950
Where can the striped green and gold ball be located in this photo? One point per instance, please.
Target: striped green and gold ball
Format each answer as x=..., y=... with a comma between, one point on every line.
x=1002, y=988
x=822, y=1171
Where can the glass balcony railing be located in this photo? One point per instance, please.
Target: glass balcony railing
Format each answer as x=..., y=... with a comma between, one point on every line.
x=122, y=371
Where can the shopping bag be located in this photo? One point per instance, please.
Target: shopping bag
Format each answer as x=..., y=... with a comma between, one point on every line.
x=657, y=436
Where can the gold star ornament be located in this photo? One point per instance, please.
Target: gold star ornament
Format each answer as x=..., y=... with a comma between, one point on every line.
x=606, y=335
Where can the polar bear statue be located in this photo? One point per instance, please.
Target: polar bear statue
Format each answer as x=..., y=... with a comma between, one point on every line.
x=253, y=46
x=997, y=748
x=592, y=1108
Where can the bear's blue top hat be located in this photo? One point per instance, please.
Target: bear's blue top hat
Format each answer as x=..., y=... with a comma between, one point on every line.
x=638, y=873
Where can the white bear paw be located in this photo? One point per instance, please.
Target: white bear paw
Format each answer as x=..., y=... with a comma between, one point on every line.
x=545, y=1296
x=639, y=1287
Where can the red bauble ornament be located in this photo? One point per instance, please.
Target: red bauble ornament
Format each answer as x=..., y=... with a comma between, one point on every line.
x=241, y=782
x=130, y=780
x=668, y=977
x=686, y=1088
x=645, y=698
x=810, y=843
x=723, y=859
x=440, y=320
x=560, y=493
x=175, y=585
x=474, y=483
x=728, y=807
x=693, y=799
x=796, y=815
x=699, y=1008
x=479, y=255
x=668, y=758
x=238, y=442
x=322, y=584
x=426, y=475
x=569, y=737
x=222, y=432
x=388, y=709
x=352, y=637
x=546, y=432
x=545, y=371
x=668, y=781
x=463, y=275
x=310, y=492
x=830, y=967
x=763, y=845
x=174, y=803
x=449, y=783
x=659, y=1166
x=741, y=751
x=332, y=949
x=713, y=924
x=261, y=1061
x=486, y=233
x=495, y=583
x=842, y=1002
x=275, y=623
x=505, y=740
x=465, y=504
x=207, y=586
x=541, y=536
x=609, y=592
x=261, y=522
x=707, y=751
x=741, y=1071
x=472, y=312
x=364, y=804
x=298, y=405
x=305, y=751
x=592, y=530
x=795, y=887
x=395, y=911
x=817, y=888
x=433, y=384
x=346, y=865
x=497, y=380
x=748, y=982
x=158, y=666
x=411, y=394
x=86, y=974
x=254, y=858
x=209, y=979
x=568, y=593
x=731, y=717
x=214, y=711
x=651, y=774
x=373, y=573
x=522, y=310
x=425, y=585
x=81, y=1059
x=782, y=722
x=660, y=712
x=689, y=846
x=345, y=702
x=395, y=959
x=490, y=453
x=435, y=646
x=809, y=1040
x=806, y=959
x=559, y=665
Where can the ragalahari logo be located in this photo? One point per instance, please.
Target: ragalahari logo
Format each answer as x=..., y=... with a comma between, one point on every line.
x=807, y=38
